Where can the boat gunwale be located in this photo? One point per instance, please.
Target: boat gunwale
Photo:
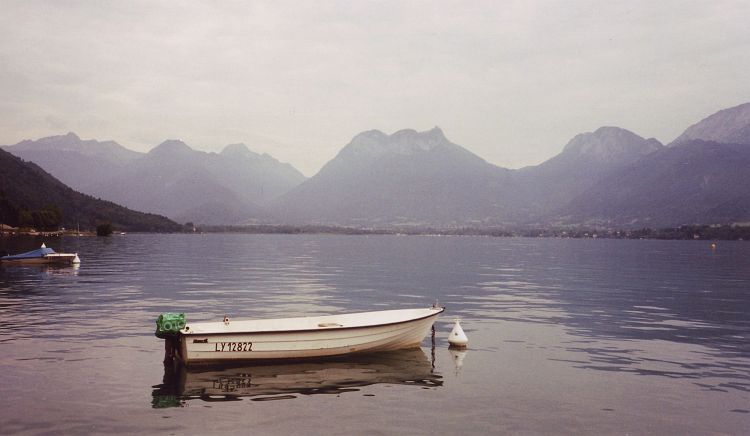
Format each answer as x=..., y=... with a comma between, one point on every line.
x=438, y=310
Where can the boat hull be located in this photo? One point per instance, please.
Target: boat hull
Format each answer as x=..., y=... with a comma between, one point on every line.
x=57, y=259
x=325, y=340
x=41, y=256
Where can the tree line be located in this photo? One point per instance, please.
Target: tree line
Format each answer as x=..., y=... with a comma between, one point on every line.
x=48, y=218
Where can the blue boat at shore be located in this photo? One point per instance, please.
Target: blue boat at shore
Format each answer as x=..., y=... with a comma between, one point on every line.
x=43, y=255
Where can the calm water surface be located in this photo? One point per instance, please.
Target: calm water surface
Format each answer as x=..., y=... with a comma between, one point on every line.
x=566, y=336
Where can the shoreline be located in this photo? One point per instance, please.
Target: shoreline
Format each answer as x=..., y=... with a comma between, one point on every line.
x=695, y=232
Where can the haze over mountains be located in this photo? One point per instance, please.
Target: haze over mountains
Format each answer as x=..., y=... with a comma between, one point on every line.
x=405, y=178
x=728, y=126
x=609, y=177
x=25, y=188
x=172, y=179
x=584, y=161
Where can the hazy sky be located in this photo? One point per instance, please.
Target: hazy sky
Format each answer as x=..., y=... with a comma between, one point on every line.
x=510, y=81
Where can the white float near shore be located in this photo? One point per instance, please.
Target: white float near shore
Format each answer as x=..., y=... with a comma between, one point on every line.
x=457, y=338
x=230, y=341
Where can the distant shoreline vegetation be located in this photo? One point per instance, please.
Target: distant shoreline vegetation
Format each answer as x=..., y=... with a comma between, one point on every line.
x=693, y=232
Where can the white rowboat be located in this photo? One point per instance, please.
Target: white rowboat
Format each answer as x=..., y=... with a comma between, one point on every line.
x=306, y=337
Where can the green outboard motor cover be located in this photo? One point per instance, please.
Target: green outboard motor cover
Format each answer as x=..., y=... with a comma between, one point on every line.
x=170, y=323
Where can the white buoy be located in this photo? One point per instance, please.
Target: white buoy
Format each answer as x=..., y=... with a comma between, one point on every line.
x=43, y=246
x=457, y=337
x=76, y=260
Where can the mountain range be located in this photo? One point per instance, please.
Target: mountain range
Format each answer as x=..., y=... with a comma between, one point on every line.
x=172, y=179
x=27, y=189
x=609, y=177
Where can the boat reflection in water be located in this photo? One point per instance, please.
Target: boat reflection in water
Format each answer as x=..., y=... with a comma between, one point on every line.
x=284, y=380
x=20, y=273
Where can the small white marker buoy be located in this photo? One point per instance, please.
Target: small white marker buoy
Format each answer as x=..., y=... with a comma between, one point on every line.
x=457, y=337
x=43, y=246
x=76, y=260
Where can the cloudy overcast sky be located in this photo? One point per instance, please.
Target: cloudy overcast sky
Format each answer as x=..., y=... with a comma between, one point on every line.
x=512, y=81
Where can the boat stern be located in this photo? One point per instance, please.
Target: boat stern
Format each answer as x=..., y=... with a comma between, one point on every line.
x=168, y=326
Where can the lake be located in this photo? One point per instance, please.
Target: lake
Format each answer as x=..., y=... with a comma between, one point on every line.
x=567, y=336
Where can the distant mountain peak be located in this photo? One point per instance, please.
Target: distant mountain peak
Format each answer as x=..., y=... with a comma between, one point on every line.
x=426, y=139
x=728, y=126
x=238, y=149
x=67, y=140
x=373, y=134
x=611, y=130
x=404, y=133
x=610, y=144
x=403, y=142
x=436, y=132
x=405, y=177
x=170, y=146
x=233, y=148
x=46, y=150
